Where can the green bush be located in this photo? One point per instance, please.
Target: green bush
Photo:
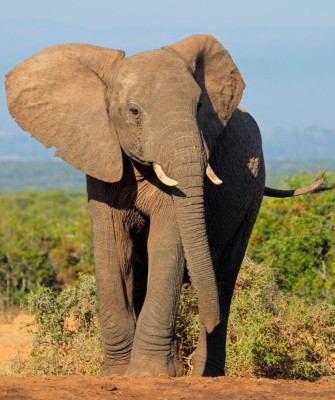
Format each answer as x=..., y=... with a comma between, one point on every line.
x=45, y=240
x=66, y=336
x=277, y=335
x=297, y=237
x=187, y=327
x=270, y=334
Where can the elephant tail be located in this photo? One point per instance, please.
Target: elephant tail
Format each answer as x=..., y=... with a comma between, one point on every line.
x=318, y=186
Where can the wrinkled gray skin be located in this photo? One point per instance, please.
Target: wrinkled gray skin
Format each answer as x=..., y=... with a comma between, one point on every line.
x=112, y=117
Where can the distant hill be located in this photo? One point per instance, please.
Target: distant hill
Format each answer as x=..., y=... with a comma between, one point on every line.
x=21, y=146
x=25, y=164
x=311, y=143
x=17, y=176
x=279, y=144
x=276, y=171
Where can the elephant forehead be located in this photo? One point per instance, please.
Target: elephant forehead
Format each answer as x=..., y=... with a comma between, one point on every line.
x=151, y=60
x=142, y=82
x=155, y=67
x=130, y=78
x=123, y=82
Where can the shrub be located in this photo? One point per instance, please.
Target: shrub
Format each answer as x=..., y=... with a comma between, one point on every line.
x=67, y=337
x=187, y=327
x=45, y=240
x=270, y=334
x=297, y=236
x=276, y=335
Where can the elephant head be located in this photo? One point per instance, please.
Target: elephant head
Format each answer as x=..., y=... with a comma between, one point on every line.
x=164, y=107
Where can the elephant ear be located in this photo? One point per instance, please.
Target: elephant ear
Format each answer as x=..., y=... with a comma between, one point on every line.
x=218, y=77
x=59, y=96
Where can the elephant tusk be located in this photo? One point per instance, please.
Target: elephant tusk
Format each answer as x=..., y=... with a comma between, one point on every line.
x=162, y=177
x=211, y=175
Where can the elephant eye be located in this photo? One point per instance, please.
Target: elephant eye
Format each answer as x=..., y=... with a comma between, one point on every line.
x=135, y=112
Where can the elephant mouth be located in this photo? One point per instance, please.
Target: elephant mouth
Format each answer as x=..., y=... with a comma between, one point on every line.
x=171, y=182
x=139, y=160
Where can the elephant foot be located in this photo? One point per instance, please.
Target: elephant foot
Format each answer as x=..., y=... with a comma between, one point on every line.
x=153, y=366
x=206, y=370
x=107, y=369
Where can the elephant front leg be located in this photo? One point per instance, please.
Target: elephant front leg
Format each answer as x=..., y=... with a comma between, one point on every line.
x=111, y=254
x=154, y=349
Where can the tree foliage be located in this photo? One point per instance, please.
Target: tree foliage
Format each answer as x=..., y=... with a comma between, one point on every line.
x=45, y=240
x=297, y=237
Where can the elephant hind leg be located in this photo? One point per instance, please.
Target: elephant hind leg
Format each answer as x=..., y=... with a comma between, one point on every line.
x=139, y=287
x=139, y=261
x=209, y=359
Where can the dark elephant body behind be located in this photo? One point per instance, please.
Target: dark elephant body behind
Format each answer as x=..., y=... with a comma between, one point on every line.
x=238, y=160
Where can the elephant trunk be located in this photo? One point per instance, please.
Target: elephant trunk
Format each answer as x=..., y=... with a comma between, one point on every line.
x=187, y=165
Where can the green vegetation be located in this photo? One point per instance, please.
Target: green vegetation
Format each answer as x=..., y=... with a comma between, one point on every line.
x=45, y=240
x=277, y=335
x=270, y=334
x=282, y=317
x=67, y=339
x=297, y=236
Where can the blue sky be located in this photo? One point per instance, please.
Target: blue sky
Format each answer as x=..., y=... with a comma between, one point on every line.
x=284, y=49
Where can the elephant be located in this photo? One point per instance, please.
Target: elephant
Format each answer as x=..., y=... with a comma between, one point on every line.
x=147, y=130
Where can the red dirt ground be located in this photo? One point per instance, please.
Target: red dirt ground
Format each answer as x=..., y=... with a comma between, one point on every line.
x=122, y=387
x=14, y=339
